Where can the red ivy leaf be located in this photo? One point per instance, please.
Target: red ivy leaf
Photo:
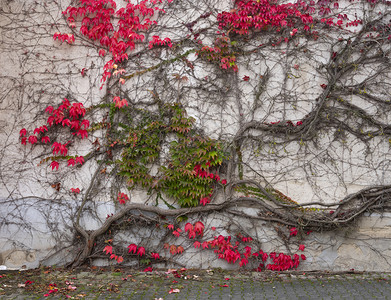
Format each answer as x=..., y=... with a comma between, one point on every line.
x=77, y=190
x=45, y=139
x=199, y=228
x=23, y=132
x=293, y=231
x=188, y=227
x=32, y=139
x=79, y=159
x=205, y=245
x=141, y=251
x=173, y=250
x=132, y=247
x=71, y=162
x=108, y=249
x=54, y=165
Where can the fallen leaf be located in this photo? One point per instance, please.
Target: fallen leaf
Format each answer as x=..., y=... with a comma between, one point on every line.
x=174, y=291
x=170, y=271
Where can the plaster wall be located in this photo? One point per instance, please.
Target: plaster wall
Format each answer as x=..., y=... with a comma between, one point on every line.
x=35, y=70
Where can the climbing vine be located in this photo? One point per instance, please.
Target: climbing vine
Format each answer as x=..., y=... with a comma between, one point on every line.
x=210, y=114
x=186, y=176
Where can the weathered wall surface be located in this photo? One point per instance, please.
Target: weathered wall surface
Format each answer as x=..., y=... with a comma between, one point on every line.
x=364, y=247
x=324, y=161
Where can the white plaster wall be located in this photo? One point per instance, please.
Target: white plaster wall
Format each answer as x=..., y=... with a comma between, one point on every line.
x=30, y=61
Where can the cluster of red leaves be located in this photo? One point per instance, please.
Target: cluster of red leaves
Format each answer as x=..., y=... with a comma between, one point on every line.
x=259, y=14
x=204, y=173
x=118, y=258
x=76, y=160
x=201, y=172
x=173, y=248
x=133, y=248
x=225, y=249
x=340, y=20
x=122, y=198
x=264, y=14
x=109, y=250
x=205, y=200
x=192, y=230
x=283, y=262
x=293, y=231
x=249, y=15
x=66, y=115
x=220, y=54
x=120, y=103
x=157, y=41
x=140, y=251
x=76, y=191
x=233, y=252
x=97, y=24
x=69, y=38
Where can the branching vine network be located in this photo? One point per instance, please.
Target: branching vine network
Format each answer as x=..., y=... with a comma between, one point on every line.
x=210, y=110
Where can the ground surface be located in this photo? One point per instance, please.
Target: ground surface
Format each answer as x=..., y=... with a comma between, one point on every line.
x=112, y=283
